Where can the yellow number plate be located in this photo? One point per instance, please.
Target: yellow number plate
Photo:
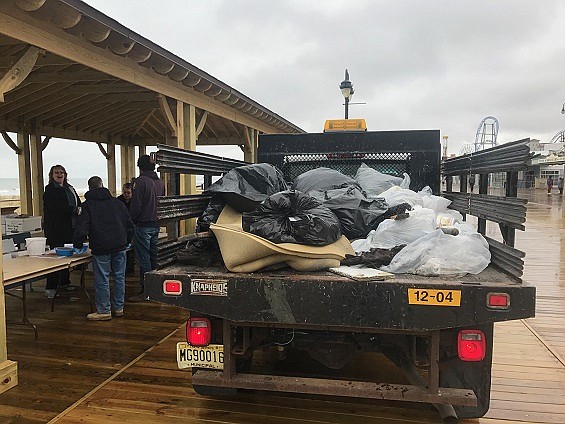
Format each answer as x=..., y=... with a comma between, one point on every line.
x=211, y=356
x=434, y=297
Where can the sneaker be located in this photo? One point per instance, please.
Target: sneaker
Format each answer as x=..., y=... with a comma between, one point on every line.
x=50, y=293
x=119, y=313
x=95, y=316
x=138, y=298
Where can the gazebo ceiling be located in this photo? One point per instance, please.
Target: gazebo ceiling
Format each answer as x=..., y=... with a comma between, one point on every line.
x=70, y=98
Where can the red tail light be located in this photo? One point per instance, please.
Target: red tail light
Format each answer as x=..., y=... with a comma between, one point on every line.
x=471, y=345
x=198, y=331
x=498, y=300
x=173, y=287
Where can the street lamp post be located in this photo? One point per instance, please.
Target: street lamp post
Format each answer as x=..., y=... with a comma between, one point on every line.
x=346, y=88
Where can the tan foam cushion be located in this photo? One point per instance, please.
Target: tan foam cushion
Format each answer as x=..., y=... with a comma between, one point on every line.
x=245, y=252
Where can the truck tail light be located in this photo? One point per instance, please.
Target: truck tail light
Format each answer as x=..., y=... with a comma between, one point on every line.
x=198, y=331
x=498, y=300
x=172, y=287
x=471, y=345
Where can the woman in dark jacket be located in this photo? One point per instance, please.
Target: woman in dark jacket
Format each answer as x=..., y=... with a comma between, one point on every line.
x=61, y=205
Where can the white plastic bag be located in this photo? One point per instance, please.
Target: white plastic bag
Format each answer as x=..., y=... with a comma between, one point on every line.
x=374, y=182
x=391, y=233
x=431, y=201
x=396, y=195
x=440, y=254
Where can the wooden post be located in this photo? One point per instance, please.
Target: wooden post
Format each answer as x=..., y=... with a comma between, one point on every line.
x=186, y=139
x=142, y=149
x=36, y=149
x=24, y=168
x=131, y=162
x=125, y=175
x=8, y=369
x=111, y=165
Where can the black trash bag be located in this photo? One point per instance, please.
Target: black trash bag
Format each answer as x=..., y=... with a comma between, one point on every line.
x=293, y=217
x=357, y=215
x=321, y=179
x=210, y=214
x=244, y=187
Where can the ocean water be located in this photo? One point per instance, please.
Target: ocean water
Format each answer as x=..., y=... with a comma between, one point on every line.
x=9, y=187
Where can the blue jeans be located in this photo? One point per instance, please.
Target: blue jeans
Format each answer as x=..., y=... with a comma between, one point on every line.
x=145, y=249
x=102, y=266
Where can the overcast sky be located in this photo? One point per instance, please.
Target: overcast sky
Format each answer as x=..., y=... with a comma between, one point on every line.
x=416, y=64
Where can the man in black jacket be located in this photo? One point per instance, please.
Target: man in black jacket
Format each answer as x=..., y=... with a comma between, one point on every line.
x=108, y=224
x=143, y=209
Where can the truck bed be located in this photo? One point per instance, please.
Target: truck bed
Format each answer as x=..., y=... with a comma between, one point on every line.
x=323, y=299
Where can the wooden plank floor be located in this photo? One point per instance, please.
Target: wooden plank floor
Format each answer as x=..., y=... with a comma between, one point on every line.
x=125, y=370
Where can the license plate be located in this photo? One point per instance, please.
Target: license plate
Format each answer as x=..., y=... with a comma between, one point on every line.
x=434, y=297
x=211, y=356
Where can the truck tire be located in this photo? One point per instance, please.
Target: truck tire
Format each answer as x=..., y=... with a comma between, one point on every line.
x=475, y=376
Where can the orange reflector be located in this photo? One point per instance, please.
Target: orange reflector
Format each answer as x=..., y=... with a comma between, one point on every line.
x=198, y=331
x=471, y=345
x=173, y=287
x=498, y=300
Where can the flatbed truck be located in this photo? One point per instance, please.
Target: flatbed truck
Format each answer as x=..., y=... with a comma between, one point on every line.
x=437, y=330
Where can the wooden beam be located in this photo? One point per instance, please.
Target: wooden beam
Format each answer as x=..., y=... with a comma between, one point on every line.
x=170, y=121
x=24, y=170
x=149, y=115
x=142, y=149
x=111, y=165
x=36, y=172
x=186, y=139
x=17, y=73
x=8, y=369
x=125, y=175
x=45, y=143
x=49, y=77
x=20, y=25
x=10, y=143
x=201, y=123
x=209, y=141
x=131, y=161
x=103, y=151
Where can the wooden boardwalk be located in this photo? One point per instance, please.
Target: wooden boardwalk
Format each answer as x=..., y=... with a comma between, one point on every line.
x=124, y=371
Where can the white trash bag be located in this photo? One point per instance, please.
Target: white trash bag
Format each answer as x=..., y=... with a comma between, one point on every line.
x=440, y=254
x=396, y=195
x=431, y=201
x=391, y=233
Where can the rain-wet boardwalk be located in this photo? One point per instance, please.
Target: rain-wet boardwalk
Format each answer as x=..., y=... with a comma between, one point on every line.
x=125, y=371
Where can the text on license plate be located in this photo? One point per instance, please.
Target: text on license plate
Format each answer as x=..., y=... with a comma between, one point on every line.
x=211, y=356
x=434, y=297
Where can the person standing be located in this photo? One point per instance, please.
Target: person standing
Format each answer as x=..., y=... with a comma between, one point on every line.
x=125, y=198
x=143, y=208
x=549, y=184
x=110, y=229
x=560, y=186
x=61, y=206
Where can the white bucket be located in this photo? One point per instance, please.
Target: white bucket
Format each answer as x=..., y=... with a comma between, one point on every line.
x=35, y=246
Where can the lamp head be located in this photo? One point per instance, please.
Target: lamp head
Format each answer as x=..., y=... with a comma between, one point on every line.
x=346, y=87
x=563, y=109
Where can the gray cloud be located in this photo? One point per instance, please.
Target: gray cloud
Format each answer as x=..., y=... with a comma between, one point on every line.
x=444, y=65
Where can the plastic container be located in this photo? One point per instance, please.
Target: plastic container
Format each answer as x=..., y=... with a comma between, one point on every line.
x=64, y=251
x=35, y=246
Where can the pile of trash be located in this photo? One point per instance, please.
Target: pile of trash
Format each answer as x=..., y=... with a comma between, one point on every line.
x=261, y=222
